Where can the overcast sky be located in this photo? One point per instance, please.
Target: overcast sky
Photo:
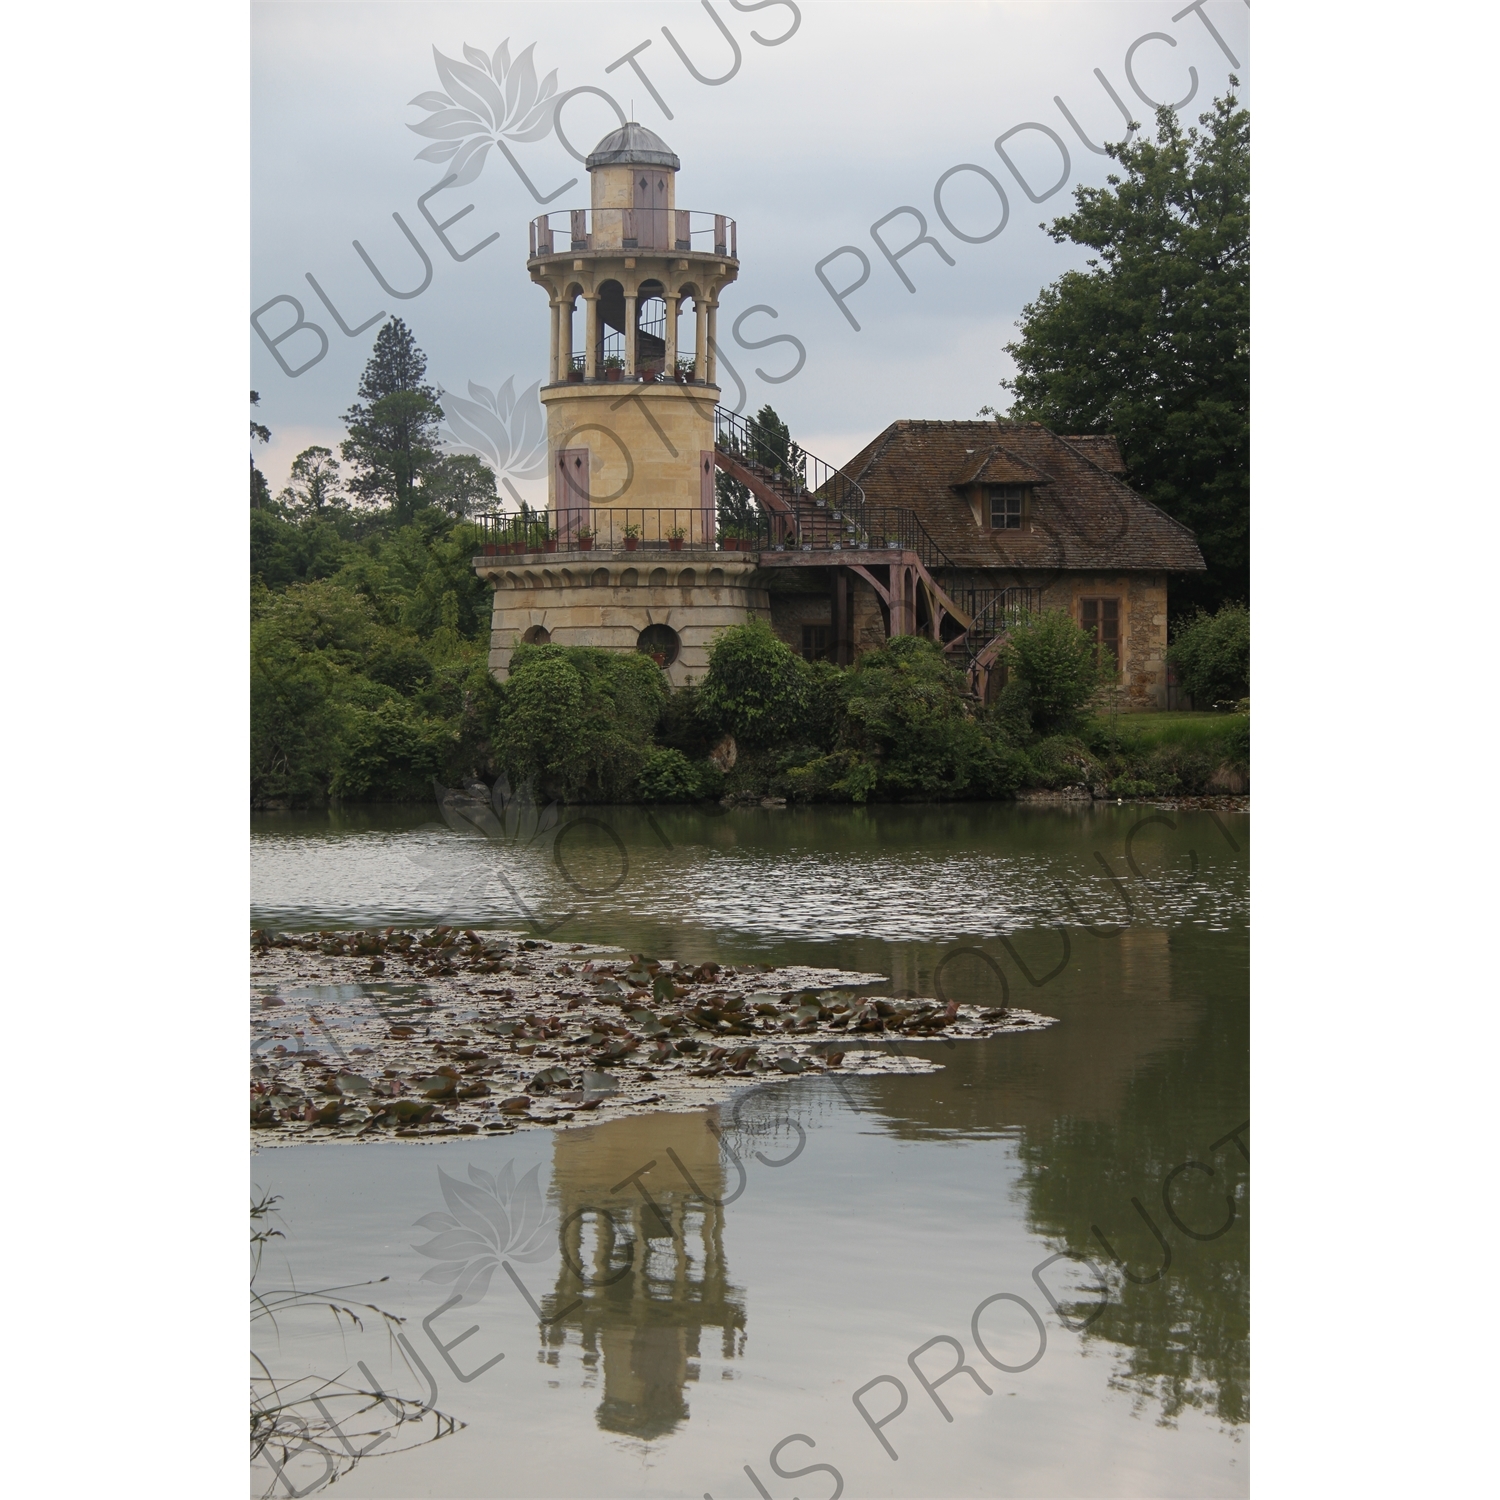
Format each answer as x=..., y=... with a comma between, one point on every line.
x=807, y=144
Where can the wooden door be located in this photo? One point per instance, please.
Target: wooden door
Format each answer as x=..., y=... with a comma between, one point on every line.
x=570, y=497
x=651, y=210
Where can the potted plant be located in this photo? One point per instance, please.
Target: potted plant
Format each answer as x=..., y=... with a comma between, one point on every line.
x=632, y=536
x=674, y=538
x=685, y=369
x=549, y=542
x=614, y=367
x=586, y=535
x=575, y=369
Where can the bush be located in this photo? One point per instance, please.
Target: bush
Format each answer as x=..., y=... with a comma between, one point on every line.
x=1058, y=662
x=578, y=719
x=1211, y=654
x=756, y=688
x=908, y=708
x=844, y=776
x=390, y=753
x=667, y=776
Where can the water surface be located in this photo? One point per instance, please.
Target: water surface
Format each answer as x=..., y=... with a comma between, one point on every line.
x=743, y=1293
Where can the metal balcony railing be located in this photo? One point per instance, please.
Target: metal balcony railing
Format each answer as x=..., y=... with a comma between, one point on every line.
x=667, y=231
x=588, y=528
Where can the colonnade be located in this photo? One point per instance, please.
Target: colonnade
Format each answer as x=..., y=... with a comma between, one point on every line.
x=705, y=336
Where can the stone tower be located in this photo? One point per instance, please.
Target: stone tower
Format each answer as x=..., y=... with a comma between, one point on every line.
x=629, y=556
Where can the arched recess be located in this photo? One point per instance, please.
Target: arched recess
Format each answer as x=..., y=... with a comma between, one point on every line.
x=661, y=643
x=687, y=578
x=599, y=579
x=535, y=635
x=611, y=322
x=658, y=578
x=629, y=579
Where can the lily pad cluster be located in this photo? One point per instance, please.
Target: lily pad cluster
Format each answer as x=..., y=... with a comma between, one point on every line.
x=447, y=1048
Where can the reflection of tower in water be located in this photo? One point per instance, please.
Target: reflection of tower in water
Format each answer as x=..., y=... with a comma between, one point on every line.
x=656, y=1275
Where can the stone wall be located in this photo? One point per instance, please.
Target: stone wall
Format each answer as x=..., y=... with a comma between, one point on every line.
x=581, y=599
x=1142, y=683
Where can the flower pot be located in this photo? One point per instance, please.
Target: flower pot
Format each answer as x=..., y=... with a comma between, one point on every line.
x=674, y=543
x=585, y=544
x=550, y=545
x=631, y=543
x=490, y=550
x=575, y=376
x=613, y=375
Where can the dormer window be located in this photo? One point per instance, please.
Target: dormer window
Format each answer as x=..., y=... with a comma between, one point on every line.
x=1007, y=504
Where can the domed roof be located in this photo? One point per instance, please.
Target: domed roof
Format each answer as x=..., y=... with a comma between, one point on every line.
x=633, y=145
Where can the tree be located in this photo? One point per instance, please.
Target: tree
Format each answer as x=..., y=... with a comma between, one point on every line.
x=460, y=483
x=770, y=443
x=315, y=482
x=393, y=427
x=260, y=491
x=1057, y=666
x=1152, y=343
x=755, y=687
x=1212, y=655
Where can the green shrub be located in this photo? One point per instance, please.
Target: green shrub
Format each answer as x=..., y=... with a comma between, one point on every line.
x=1000, y=770
x=907, y=707
x=1059, y=664
x=578, y=719
x=1058, y=762
x=756, y=687
x=667, y=776
x=843, y=776
x=1211, y=655
x=389, y=753
x=1237, y=744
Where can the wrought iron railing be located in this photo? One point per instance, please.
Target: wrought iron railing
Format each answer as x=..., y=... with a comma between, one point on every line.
x=588, y=528
x=828, y=508
x=994, y=611
x=609, y=230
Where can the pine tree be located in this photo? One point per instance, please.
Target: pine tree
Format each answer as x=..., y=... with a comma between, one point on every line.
x=393, y=427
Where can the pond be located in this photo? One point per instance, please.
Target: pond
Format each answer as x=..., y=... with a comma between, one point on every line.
x=1026, y=1273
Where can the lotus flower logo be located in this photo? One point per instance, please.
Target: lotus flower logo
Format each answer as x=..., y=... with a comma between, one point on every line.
x=489, y=100
x=491, y=1218
x=507, y=431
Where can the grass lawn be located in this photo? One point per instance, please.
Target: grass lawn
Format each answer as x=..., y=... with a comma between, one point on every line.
x=1148, y=730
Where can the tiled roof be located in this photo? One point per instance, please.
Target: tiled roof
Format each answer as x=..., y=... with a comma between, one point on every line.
x=996, y=466
x=1081, y=516
x=1103, y=451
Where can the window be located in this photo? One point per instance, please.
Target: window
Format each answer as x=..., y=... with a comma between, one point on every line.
x=661, y=643
x=1101, y=618
x=1007, y=503
x=814, y=642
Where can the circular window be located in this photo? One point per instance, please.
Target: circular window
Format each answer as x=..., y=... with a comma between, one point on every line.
x=538, y=635
x=660, y=643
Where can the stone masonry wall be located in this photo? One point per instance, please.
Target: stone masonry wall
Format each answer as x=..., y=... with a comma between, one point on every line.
x=1143, y=629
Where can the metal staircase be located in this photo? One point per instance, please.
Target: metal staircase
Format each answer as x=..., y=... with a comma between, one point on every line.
x=813, y=506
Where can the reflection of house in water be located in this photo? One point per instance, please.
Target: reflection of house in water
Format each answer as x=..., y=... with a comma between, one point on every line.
x=657, y=1277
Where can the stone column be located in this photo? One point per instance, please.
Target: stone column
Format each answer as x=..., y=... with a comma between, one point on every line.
x=630, y=336
x=672, y=305
x=700, y=359
x=591, y=332
x=567, y=338
x=713, y=326
x=554, y=369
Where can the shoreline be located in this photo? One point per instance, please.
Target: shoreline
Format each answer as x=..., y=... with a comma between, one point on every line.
x=429, y=1033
